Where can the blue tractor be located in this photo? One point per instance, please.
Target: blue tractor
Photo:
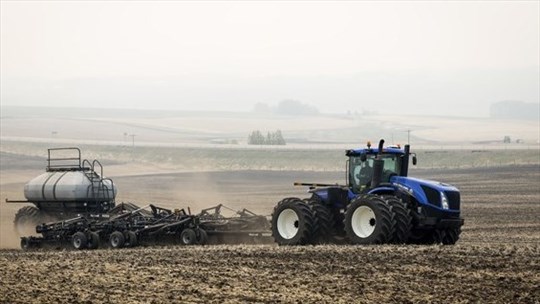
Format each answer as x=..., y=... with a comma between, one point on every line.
x=379, y=204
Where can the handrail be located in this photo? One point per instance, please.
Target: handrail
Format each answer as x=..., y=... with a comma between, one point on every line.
x=51, y=160
x=108, y=193
x=107, y=188
x=86, y=161
x=100, y=165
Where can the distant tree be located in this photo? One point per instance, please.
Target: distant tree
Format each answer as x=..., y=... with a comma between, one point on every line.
x=272, y=138
x=269, y=139
x=256, y=138
x=507, y=140
x=279, y=138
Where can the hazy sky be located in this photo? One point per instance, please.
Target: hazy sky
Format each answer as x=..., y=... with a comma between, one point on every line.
x=450, y=58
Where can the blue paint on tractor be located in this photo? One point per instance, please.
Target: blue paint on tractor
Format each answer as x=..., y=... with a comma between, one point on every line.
x=425, y=197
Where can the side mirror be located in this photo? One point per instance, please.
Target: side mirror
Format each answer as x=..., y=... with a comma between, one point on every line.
x=414, y=160
x=363, y=157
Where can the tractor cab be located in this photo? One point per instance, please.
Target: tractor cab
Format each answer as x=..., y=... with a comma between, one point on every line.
x=361, y=167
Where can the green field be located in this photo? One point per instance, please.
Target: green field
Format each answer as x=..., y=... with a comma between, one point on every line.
x=266, y=158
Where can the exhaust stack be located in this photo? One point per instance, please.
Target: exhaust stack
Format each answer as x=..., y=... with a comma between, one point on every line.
x=378, y=166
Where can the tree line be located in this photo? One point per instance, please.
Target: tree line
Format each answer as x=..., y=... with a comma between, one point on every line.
x=271, y=138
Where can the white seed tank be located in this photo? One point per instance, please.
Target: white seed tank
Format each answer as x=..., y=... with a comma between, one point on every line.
x=69, y=186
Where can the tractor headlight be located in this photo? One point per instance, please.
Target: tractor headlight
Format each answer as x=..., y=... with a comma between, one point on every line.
x=444, y=201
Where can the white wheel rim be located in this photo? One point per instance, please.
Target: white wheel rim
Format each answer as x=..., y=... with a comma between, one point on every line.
x=187, y=239
x=287, y=224
x=115, y=241
x=77, y=242
x=363, y=221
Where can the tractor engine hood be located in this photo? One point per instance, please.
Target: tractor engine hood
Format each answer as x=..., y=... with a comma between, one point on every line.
x=431, y=193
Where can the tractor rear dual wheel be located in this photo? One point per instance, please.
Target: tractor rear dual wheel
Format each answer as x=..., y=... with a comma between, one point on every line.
x=369, y=220
x=293, y=222
x=323, y=222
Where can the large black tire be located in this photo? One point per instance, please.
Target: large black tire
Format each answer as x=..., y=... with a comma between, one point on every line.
x=369, y=220
x=79, y=240
x=323, y=222
x=117, y=240
x=131, y=239
x=26, y=220
x=451, y=236
x=93, y=240
x=339, y=227
x=426, y=237
x=402, y=220
x=188, y=237
x=292, y=222
x=202, y=237
x=26, y=244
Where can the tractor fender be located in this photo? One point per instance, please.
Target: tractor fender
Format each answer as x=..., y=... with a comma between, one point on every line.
x=382, y=190
x=336, y=197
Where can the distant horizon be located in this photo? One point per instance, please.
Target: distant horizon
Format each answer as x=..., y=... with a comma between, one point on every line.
x=251, y=111
x=464, y=93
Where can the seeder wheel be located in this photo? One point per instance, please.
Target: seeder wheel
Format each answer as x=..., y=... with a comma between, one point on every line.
x=93, y=240
x=131, y=239
x=188, y=237
x=79, y=240
x=117, y=239
x=202, y=237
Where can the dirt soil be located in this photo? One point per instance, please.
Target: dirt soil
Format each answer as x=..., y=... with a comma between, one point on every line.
x=497, y=259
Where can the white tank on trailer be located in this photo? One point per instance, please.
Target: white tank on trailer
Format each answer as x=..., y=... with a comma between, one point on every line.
x=69, y=186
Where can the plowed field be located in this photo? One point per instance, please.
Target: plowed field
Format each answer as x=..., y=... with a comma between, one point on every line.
x=497, y=259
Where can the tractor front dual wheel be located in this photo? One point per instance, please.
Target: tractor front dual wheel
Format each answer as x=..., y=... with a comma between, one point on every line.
x=402, y=220
x=451, y=236
x=324, y=230
x=448, y=236
x=369, y=220
x=292, y=222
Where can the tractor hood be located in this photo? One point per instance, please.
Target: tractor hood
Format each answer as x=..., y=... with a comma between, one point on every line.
x=435, y=194
x=412, y=182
